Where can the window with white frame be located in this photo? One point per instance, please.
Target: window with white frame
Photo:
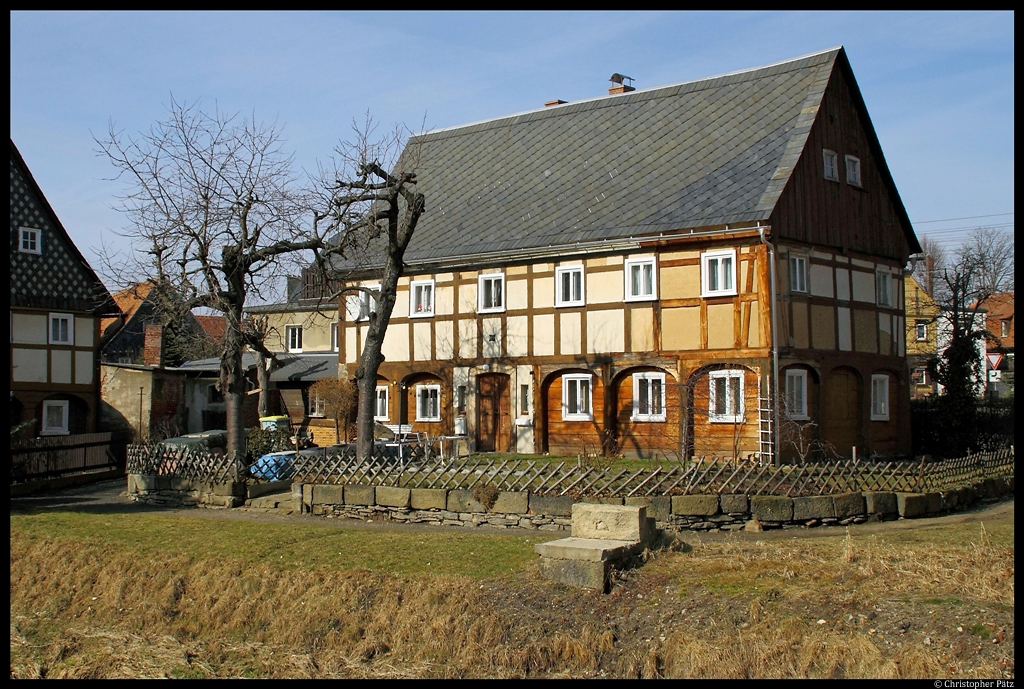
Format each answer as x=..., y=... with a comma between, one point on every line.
x=831, y=161
x=726, y=403
x=919, y=376
x=718, y=273
x=380, y=410
x=577, y=397
x=55, y=417
x=317, y=405
x=334, y=337
x=569, y=286
x=797, y=273
x=1004, y=328
x=460, y=399
x=360, y=305
x=641, y=284
x=796, y=394
x=62, y=328
x=491, y=292
x=879, y=397
x=648, y=397
x=853, y=170
x=31, y=241
x=421, y=298
x=883, y=293
x=921, y=330
x=293, y=337
x=428, y=402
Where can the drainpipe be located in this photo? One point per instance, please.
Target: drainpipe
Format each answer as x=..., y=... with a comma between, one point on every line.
x=773, y=393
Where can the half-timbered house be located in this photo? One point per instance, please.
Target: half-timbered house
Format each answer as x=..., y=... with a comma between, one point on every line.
x=714, y=267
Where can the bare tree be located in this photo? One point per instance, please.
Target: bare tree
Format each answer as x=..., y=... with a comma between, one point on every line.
x=935, y=258
x=338, y=399
x=993, y=252
x=213, y=208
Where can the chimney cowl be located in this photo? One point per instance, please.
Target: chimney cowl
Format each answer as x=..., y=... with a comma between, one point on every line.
x=620, y=84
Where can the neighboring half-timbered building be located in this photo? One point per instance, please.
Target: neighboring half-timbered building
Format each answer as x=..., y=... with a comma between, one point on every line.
x=56, y=305
x=647, y=272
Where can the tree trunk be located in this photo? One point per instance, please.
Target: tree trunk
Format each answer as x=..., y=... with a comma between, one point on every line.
x=232, y=378
x=263, y=380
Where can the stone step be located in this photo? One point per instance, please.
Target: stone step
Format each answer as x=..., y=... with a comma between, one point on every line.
x=589, y=549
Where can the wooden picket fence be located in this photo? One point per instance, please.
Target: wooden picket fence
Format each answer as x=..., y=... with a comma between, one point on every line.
x=54, y=456
x=420, y=466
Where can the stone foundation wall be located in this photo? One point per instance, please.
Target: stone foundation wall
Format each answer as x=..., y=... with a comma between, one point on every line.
x=169, y=491
x=679, y=512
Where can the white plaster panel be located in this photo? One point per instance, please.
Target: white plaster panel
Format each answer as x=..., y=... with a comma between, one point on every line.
x=60, y=366
x=515, y=337
x=421, y=342
x=83, y=331
x=28, y=365
x=351, y=353
x=821, y=280
x=544, y=335
x=396, y=342
x=606, y=331
x=605, y=288
x=842, y=284
x=845, y=332
x=444, y=339
x=28, y=328
x=543, y=293
x=516, y=299
x=467, y=338
x=572, y=337
x=83, y=367
x=444, y=300
x=490, y=337
x=863, y=286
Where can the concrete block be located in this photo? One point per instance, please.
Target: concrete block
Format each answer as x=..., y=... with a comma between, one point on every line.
x=463, y=501
x=934, y=503
x=359, y=495
x=695, y=505
x=512, y=502
x=880, y=502
x=328, y=495
x=182, y=484
x=307, y=494
x=771, y=508
x=257, y=490
x=659, y=507
x=393, y=497
x=132, y=489
x=589, y=549
x=912, y=504
x=551, y=505
x=601, y=501
x=229, y=488
x=163, y=482
x=814, y=507
x=950, y=499
x=577, y=573
x=848, y=505
x=734, y=504
x=428, y=499
x=610, y=522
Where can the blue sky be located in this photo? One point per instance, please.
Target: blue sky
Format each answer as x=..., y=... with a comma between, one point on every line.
x=938, y=85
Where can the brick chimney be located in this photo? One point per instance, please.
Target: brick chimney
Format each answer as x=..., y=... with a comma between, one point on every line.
x=153, y=347
x=620, y=85
x=553, y=103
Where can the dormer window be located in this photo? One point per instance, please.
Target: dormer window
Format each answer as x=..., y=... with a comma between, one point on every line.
x=853, y=171
x=31, y=241
x=831, y=161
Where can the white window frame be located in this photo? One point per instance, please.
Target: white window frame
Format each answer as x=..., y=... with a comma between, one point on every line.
x=830, y=159
x=35, y=236
x=423, y=287
x=883, y=288
x=574, y=382
x=796, y=404
x=642, y=295
x=920, y=331
x=69, y=336
x=358, y=307
x=713, y=262
x=424, y=391
x=573, y=278
x=923, y=375
x=737, y=407
x=377, y=397
x=499, y=279
x=655, y=400
x=317, y=406
x=64, y=428
x=798, y=273
x=290, y=332
x=879, y=397
x=853, y=171
x=334, y=337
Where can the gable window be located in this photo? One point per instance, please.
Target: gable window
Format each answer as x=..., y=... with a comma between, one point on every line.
x=491, y=291
x=797, y=273
x=569, y=286
x=648, y=397
x=718, y=273
x=879, y=397
x=796, y=394
x=55, y=417
x=921, y=330
x=577, y=397
x=421, y=296
x=640, y=283
x=882, y=292
x=428, y=402
x=62, y=328
x=726, y=403
x=831, y=161
x=380, y=408
x=359, y=306
x=31, y=241
x=334, y=337
x=293, y=337
x=919, y=376
x=853, y=171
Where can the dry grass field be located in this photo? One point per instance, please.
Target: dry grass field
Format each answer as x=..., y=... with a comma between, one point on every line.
x=154, y=595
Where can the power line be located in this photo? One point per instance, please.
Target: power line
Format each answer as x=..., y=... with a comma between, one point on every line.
x=969, y=217
x=947, y=230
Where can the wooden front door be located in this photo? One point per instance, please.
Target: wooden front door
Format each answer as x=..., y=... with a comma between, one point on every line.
x=841, y=412
x=493, y=424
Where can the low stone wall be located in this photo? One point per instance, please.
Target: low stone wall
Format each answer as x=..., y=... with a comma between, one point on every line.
x=170, y=491
x=524, y=510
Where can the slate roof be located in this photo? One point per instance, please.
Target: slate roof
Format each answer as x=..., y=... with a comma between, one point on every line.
x=294, y=367
x=59, y=277
x=682, y=157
